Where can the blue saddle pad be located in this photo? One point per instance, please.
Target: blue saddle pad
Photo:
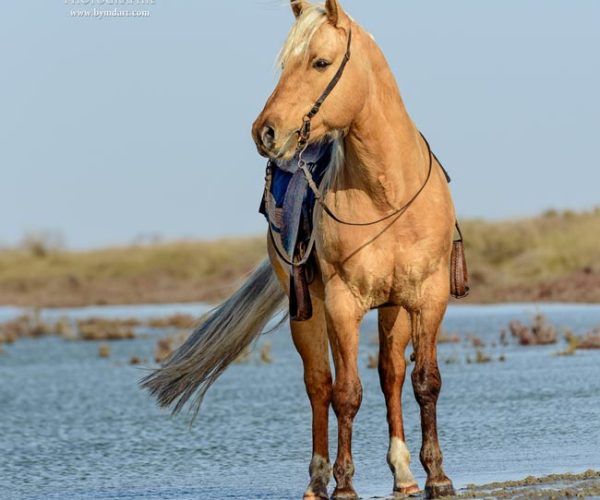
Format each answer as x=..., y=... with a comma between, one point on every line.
x=293, y=196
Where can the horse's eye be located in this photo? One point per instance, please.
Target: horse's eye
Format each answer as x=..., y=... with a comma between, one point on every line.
x=321, y=64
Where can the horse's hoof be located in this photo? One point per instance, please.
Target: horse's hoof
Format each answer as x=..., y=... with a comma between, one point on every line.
x=313, y=493
x=405, y=491
x=344, y=494
x=439, y=489
x=309, y=495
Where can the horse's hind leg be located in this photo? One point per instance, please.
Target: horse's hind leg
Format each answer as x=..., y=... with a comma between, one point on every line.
x=394, y=335
x=310, y=339
x=427, y=383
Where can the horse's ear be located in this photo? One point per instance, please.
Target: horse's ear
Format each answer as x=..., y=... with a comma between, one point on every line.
x=334, y=11
x=298, y=7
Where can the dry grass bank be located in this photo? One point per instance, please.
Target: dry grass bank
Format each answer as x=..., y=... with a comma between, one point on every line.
x=553, y=257
x=176, y=272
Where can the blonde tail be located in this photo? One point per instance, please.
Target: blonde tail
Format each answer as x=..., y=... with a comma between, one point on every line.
x=217, y=342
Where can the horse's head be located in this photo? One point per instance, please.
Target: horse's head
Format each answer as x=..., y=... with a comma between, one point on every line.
x=310, y=58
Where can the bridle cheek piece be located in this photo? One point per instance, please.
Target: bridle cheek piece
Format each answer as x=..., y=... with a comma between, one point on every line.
x=304, y=132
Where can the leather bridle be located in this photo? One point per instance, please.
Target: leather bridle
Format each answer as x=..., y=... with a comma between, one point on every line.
x=459, y=276
x=304, y=131
x=303, y=137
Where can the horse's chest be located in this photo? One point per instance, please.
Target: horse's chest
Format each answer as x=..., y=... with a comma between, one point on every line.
x=378, y=265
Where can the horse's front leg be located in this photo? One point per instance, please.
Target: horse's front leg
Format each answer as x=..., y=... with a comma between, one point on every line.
x=394, y=335
x=344, y=314
x=427, y=383
x=310, y=339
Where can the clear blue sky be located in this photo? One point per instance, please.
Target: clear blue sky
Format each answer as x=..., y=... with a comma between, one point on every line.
x=114, y=128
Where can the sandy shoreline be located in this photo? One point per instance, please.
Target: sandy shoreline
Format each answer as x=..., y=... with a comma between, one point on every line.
x=586, y=484
x=567, y=485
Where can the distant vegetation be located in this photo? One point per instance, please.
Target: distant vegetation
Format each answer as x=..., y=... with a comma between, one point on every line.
x=175, y=272
x=553, y=257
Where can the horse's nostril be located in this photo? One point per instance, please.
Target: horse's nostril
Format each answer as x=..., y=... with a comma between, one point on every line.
x=267, y=136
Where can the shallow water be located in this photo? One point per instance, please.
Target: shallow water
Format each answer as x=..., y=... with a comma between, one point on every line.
x=76, y=426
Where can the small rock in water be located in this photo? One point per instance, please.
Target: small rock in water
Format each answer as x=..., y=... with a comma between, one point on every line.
x=476, y=341
x=451, y=360
x=540, y=333
x=373, y=361
x=265, y=353
x=64, y=328
x=179, y=321
x=590, y=340
x=105, y=329
x=573, y=343
x=481, y=357
x=448, y=338
x=26, y=325
x=166, y=345
x=104, y=351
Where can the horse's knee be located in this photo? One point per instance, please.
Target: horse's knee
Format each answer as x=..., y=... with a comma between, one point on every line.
x=391, y=375
x=427, y=383
x=346, y=397
x=431, y=455
x=343, y=470
x=319, y=388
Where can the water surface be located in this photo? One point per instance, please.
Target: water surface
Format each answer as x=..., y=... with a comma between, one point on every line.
x=77, y=426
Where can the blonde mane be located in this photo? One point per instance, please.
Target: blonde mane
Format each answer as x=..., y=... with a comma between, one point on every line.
x=335, y=164
x=312, y=18
x=301, y=34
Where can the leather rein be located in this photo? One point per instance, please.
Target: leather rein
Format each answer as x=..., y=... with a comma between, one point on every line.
x=303, y=138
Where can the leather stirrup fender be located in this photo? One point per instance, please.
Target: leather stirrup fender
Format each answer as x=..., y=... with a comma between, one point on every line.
x=459, y=274
x=300, y=302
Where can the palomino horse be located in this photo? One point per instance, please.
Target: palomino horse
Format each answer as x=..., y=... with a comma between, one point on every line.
x=399, y=265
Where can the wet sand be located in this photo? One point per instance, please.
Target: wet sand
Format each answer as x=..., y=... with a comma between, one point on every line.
x=584, y=485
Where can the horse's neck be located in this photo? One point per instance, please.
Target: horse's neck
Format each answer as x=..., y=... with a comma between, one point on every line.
x=385, y=155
